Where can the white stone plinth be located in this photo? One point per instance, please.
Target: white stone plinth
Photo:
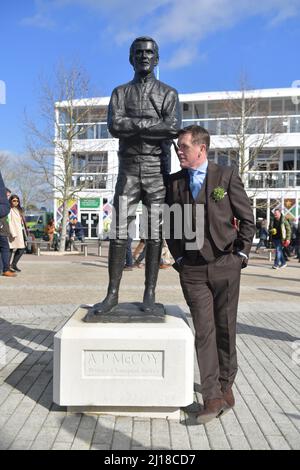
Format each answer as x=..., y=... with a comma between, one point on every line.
x=125, y=368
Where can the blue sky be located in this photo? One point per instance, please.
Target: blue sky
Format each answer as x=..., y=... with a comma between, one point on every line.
x=205, y=45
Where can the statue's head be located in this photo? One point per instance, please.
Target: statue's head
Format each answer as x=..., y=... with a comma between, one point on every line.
x=143, y=55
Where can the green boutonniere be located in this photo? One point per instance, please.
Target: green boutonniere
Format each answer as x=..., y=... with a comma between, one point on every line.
x=218, y=194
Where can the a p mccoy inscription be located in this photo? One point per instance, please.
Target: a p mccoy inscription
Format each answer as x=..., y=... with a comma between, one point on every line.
x=123, y=363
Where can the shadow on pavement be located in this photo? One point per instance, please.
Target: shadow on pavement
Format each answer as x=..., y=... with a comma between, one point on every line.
x=32, y=374
x=95, y=265
x=272, y=277
x=292, y=415
x=296, y=294
x=33, y=377
x=261, y=332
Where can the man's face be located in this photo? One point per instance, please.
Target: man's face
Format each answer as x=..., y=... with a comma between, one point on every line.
x=144, y=58
x=277, y=215
x=190, y=155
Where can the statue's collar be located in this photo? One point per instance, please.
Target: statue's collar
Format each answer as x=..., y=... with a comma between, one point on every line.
x=139, y=79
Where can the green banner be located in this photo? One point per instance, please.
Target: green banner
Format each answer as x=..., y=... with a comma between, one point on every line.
x=90, y=203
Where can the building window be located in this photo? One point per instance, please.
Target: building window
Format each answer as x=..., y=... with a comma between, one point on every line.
x=98, y=115
x=276, y=125
x=101, y=131
x=186, y=110
x=264, y=160
x=211, y=127
x=79, y=163
x=85, y=132
x=199, y=110
x=230, y=126
x=294, y=124
x=276, y=107
x=211, y=156
x=90, y=163
x=66, y=116
x=82, y=115
x=263, y=107
x=97, y=163
x=298, y=159
x=231, y=108
x=288, y=160
x=298, y=168
x=289, y=106
x=222, y=157
x=212, y=109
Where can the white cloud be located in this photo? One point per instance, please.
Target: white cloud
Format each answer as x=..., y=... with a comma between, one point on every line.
x=42, y=18
x=2, y=92
x=193, y=20
x=182, y=57
x=180, y=23
x=38, y=21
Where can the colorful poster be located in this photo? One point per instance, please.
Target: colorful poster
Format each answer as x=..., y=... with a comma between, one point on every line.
x=106, y=218
x=290, y=208
x=72, y=206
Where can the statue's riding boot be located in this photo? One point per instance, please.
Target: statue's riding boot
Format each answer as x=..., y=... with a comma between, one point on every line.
x=153, y=255
x=116, y=261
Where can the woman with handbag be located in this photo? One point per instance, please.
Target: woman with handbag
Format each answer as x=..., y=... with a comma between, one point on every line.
x=18, y=232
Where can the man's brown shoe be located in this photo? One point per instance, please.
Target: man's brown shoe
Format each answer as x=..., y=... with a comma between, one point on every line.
x=9, y=274
x=213, y=408
x=229, y=398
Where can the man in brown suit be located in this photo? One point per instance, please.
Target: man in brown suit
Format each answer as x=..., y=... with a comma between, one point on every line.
x=210, y=268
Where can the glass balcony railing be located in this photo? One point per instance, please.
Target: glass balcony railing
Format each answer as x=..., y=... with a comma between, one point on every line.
x=86, y=131
x=84, y=181
x=253, y=180
x=215, y=126
x=272, y=179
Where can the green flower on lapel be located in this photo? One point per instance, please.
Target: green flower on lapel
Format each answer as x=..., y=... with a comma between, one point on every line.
x=218, y=193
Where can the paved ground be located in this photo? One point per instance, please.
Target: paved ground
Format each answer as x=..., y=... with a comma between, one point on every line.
x=38, y=302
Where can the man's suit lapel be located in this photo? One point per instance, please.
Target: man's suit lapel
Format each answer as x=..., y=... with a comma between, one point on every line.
x=213, y=180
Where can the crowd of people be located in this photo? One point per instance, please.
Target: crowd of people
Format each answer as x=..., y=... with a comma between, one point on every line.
x=282, y=235
x=16, y=238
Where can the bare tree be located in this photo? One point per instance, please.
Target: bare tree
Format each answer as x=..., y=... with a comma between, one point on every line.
x=249, y=132
x=29, y=186
x=5, y=167
x=20, y=178
x=248, y=129
x=53, y=144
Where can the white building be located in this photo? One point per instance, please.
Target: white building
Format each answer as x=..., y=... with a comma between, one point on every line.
x=272, y=176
